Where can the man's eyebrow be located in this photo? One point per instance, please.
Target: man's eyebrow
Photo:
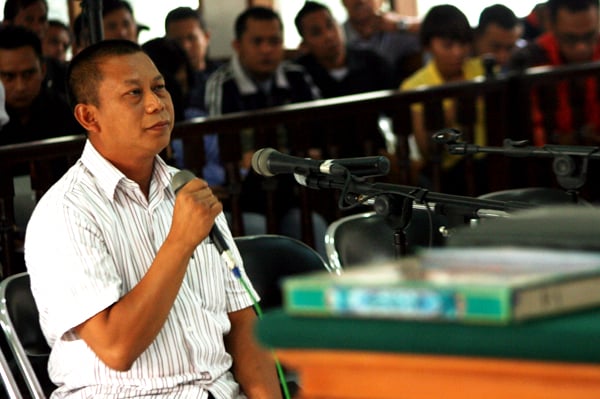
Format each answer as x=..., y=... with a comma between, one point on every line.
x=138, y=81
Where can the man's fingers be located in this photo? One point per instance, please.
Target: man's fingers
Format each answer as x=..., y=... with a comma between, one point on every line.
x=195, y=184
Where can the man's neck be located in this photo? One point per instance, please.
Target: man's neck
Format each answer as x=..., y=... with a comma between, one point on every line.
x=334, y=63
x=259, y=79
x=201, y=67
x=365, y=27
x=141, y=175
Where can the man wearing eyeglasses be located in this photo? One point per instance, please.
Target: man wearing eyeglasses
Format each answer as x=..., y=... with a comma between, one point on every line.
x=572, y=108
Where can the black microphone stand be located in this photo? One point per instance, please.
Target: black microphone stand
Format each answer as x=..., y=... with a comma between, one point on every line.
x=395, y=202
x=569, y=164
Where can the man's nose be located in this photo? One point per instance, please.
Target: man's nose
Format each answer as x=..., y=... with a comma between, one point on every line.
x=20, y=83
x=153, y=102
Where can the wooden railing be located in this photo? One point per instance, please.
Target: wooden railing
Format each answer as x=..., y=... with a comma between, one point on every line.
x=346, y=126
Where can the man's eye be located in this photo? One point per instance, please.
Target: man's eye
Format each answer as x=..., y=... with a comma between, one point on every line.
x=6, y=77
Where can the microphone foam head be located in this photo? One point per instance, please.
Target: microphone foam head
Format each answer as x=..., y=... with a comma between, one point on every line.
x=260, y=161
x=180, y=179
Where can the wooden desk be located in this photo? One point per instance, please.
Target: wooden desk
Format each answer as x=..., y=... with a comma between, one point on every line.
x=360, y=375
x=382, y=359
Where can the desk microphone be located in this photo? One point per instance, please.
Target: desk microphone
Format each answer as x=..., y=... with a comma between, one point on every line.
x=179, y=180
x=270, y=162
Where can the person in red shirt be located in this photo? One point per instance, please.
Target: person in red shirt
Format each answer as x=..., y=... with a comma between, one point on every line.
x=568, y=113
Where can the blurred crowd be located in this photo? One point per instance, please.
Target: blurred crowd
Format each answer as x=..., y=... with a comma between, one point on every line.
x=371, y=50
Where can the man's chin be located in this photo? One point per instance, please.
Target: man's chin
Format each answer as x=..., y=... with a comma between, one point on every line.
x=19, y=105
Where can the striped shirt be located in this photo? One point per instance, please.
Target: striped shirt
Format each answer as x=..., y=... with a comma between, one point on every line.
x=230, y=89
x=90, y=240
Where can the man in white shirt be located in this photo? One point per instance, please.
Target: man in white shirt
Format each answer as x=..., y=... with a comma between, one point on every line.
x=133, y=297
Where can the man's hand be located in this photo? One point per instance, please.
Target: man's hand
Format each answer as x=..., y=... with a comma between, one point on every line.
x=196, y=208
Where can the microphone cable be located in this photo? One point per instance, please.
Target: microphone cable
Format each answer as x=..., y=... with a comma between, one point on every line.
x=179, y=180
x=280, y=373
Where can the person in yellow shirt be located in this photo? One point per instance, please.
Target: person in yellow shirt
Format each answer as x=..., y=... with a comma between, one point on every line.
x=447, y=38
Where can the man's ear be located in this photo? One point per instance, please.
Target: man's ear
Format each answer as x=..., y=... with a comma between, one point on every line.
x=86, y=116
x=236, y=45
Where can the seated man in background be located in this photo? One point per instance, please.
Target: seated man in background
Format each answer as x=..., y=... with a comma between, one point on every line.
x=336, y=69
x=389, y=35
x=339, y=70
x=447, y=36
x=134, y=298
x=35, y=111
x=573, y=108
x=258, y=77
x=497, y=34
x=188, y=28
x=33, y=15
x=57, y=41
x=118, y=20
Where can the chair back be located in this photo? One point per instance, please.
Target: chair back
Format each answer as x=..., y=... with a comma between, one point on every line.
x=536, y=196
x=21, y=327
x=270, y=257
x=368, y=238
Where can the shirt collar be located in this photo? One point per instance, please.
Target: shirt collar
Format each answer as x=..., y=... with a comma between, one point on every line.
x=245, y=83
x=109, y=177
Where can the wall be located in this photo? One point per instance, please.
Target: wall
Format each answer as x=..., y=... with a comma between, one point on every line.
x=220, y=16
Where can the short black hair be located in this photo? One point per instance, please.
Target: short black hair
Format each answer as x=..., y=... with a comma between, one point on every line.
x=55, y=23
x=445, y=21
x=571, y=5
x=12, y=7
x=308, y=8
x=109, y=6
x=260, y=13
x=84, y=74
x=497, y=14
x=182, y=13
x=13, y=37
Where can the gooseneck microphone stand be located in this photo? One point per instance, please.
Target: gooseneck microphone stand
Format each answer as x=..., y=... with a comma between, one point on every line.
x=395, y=202
x=569, y=165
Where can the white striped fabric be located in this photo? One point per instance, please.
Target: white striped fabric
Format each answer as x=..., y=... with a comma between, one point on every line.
x=89, y=241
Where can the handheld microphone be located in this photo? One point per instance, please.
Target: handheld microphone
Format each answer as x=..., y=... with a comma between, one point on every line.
x=179, y=180
x=269, y=162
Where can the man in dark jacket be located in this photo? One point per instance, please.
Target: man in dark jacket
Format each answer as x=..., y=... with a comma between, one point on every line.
x=336, y=69
x=35, y=111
